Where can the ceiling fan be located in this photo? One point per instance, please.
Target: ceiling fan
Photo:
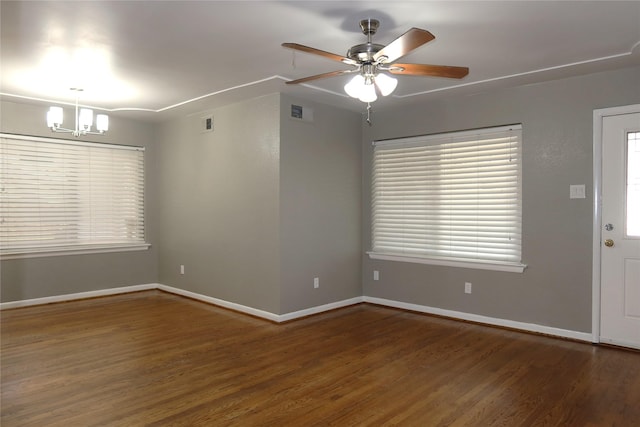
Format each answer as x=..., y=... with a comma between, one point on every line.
x=372, y=61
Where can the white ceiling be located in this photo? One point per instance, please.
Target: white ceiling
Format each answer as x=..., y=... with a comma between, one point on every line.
x=154, y=59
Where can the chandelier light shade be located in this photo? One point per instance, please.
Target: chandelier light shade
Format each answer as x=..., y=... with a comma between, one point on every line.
x=54, y=117
x=364, y=87
x=83, y=117
x=102, y=123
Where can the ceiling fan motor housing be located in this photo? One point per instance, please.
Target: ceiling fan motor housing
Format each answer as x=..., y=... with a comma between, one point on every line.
x=364, y=52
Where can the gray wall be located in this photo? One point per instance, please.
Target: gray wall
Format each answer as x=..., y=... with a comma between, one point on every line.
x=260, y=206
x=254, y=210
x=219, y=206
x=320, y=206
x=555, y=290
x=28, y=278
x=263, y=204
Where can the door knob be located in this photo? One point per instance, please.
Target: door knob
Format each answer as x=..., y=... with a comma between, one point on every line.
x=608, y=243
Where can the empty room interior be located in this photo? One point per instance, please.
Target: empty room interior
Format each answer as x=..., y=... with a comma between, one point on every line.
x=251, y=213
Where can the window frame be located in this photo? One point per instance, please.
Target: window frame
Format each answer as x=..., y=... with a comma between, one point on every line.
x=77, y=246
x=440, y=139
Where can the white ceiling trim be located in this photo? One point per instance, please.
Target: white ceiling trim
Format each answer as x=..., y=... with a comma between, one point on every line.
x=148, y=110
x=320, y=89
x=327, y=91
x=180, y=104
x=52, y=101
x=526, y=73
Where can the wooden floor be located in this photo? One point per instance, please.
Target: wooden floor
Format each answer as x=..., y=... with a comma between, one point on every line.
x=152, y=358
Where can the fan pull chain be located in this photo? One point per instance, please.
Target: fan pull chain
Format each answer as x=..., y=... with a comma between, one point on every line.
x=369, y=113
x=293, y=59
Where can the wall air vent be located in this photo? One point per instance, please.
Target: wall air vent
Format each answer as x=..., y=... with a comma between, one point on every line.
x=206, y=124
x=299, y=112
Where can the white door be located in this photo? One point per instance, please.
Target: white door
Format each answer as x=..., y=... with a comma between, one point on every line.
x=620, y=233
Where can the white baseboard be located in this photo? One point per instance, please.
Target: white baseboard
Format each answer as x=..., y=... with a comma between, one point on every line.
x=221, y=303
x=170, y=289
x=261, y=313
x=512, y=324
x=80, y=295
x=529, y=327
x=319, y=309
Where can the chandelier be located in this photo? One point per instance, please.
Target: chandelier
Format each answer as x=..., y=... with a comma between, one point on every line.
x=84, y=120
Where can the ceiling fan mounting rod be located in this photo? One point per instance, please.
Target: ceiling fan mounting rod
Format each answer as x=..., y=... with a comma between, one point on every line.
x=364, y=53
x=369, y=27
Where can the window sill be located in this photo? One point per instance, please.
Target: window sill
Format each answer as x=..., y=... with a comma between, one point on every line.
x=78, y=250
x=480, y=265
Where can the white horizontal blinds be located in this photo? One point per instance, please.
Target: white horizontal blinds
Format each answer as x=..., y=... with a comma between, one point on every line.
x=452, y=196
x=63, y=194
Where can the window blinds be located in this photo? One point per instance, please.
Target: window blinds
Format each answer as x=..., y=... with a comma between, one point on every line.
x=453, y=196
x=66, y=195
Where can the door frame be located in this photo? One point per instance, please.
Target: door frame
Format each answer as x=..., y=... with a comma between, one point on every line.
x=598, y=118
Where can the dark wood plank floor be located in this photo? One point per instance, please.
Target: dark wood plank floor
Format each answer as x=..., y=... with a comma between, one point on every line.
x=152, y=358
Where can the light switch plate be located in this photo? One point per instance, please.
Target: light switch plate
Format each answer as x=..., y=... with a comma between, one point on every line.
x=577, y=192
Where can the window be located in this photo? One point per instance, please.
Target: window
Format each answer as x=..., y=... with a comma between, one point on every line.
x=449, y=199
x=633, y=185
x=60, y=196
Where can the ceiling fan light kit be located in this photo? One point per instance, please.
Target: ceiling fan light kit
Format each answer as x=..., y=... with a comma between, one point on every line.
x=386, y=84
x=364, y=87
x=373, y=61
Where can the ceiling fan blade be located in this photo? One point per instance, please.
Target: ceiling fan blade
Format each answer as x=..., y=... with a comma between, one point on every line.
x=329, y=55
x=429, y=70
x=404, y=44
x=320, y=76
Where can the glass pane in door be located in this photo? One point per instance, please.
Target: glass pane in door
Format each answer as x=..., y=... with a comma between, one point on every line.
x=633, y=184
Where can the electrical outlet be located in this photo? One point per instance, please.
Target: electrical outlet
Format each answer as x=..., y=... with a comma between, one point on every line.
x=181, y=269
x=376, y=275
x=316, y=282
x=467, y=287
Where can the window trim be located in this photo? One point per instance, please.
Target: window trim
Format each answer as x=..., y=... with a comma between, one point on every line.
x=36, y=253
x=505, y=266
x=451, y=262
x=80, y=249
